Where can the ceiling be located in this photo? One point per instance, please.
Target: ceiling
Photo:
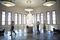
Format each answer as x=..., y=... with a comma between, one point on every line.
x=37, y=5
x=34, y=3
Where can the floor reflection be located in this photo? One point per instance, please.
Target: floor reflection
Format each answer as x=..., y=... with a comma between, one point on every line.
x=21, y=35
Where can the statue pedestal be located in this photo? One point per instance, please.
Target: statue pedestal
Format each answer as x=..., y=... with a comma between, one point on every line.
x=29, y=29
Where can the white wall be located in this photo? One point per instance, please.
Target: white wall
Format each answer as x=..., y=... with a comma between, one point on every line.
x=38, y=10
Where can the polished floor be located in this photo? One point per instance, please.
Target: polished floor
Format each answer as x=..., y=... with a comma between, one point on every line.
x=20, y=35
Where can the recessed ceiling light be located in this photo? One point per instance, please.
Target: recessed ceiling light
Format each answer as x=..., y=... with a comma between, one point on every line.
x=8, y=4
x=49, y=3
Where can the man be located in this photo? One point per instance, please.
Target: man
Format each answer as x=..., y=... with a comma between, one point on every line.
x=38, y=27
x=44, y=27
x=12, y=27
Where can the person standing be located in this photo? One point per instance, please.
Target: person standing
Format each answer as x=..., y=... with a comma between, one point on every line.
x=38, y=27
x=44, y=27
